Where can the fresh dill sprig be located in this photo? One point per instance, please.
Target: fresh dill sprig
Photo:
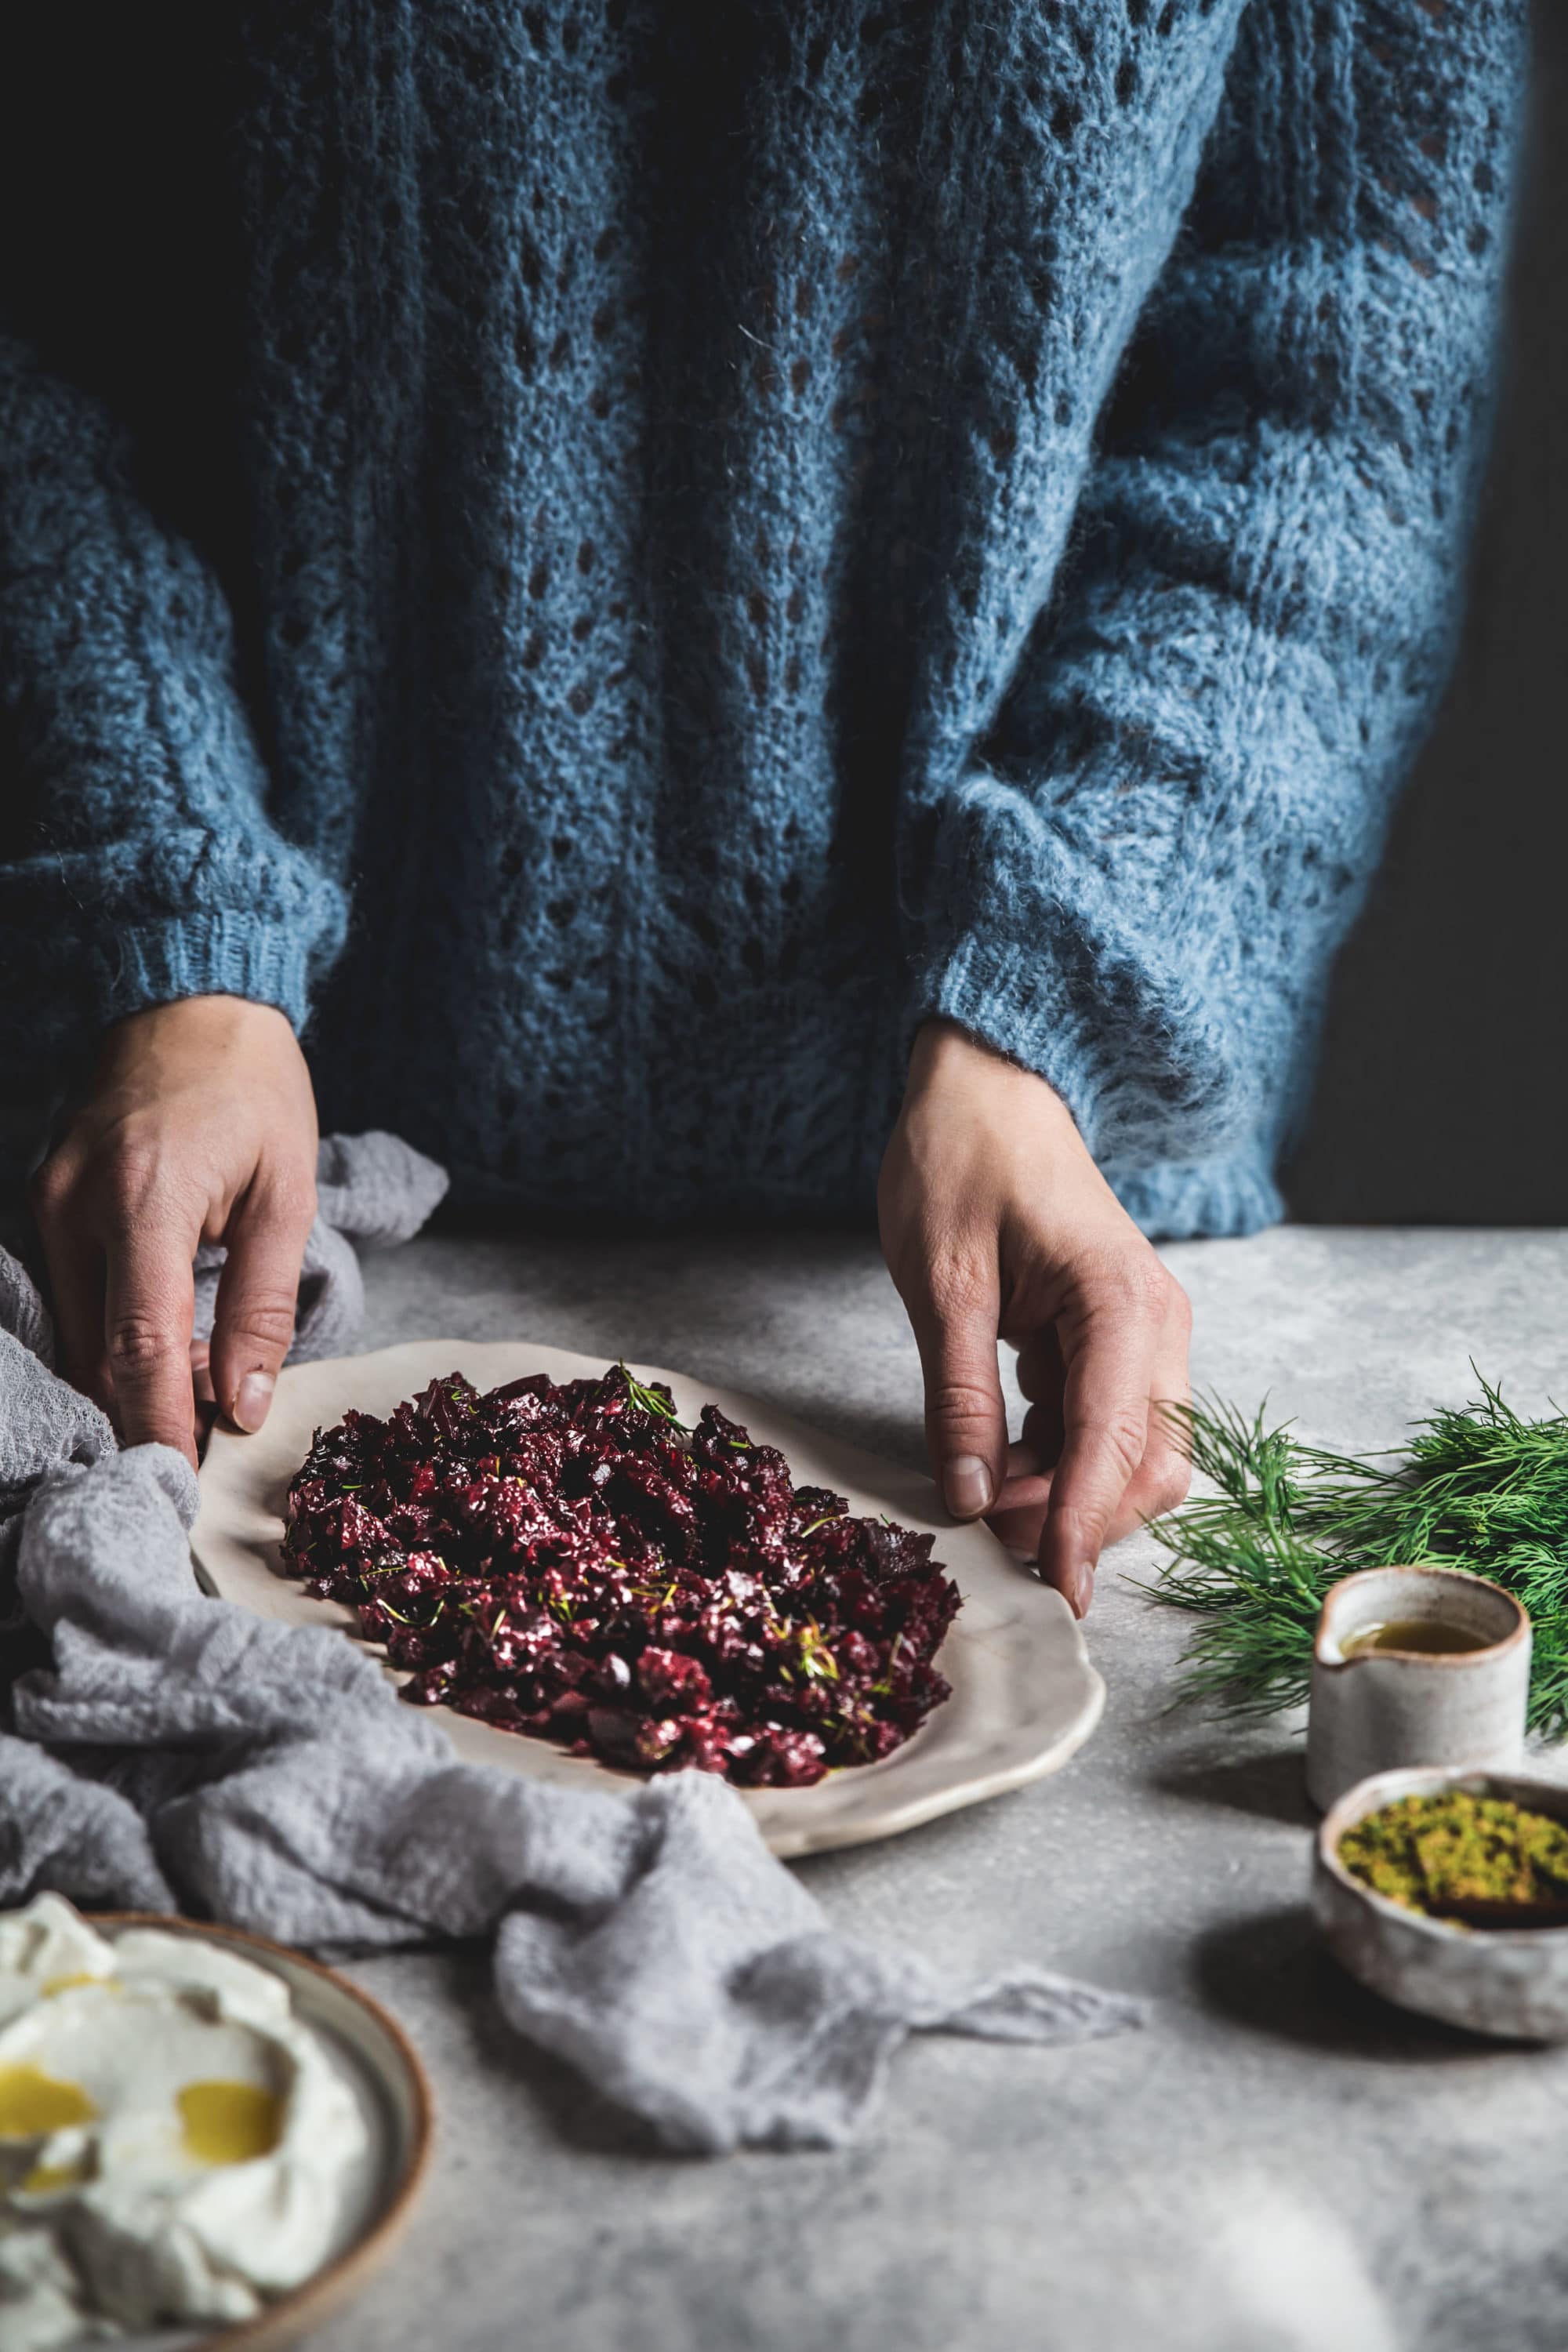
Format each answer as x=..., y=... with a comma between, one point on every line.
x=1481, y=1490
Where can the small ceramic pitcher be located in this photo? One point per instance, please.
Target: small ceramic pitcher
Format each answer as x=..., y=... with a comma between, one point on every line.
x=1381, y=1709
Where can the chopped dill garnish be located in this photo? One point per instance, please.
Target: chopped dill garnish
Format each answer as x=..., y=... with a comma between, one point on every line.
x=649, y=1401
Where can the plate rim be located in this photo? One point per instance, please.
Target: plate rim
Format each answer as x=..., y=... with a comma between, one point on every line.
x=287, y=2316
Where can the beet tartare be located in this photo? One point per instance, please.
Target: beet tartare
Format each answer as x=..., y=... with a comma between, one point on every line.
x=568, y=1561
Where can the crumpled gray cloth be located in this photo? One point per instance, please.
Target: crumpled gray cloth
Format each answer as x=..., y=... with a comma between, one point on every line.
x=179, y=1753
x=372, y=1188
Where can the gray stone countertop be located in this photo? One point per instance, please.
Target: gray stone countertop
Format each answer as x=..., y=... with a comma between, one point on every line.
x=1278, y=2164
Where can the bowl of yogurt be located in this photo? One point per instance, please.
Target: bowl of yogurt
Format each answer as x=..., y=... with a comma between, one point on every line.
x=200, y=2132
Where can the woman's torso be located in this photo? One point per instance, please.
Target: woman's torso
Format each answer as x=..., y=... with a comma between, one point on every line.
x=636, y=444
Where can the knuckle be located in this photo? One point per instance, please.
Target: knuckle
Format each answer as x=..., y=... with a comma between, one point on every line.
x=132, y=1175
x=1122, y=1434
x=267, y=1322
x=1170, y=1488
x=1164, y=1483
x=957, y=1282
x=140, y=1343
x=958, y=1400
x=1148, y=1286
x=1123, y=1286
x=290, y=1198
x=51, y=1186
x=1082, y=1526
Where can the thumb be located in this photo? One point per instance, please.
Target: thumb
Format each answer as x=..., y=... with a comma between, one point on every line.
x=966, y=1420
x=253, y=1319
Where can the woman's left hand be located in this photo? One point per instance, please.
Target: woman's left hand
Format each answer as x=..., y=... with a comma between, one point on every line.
x=996, y=1223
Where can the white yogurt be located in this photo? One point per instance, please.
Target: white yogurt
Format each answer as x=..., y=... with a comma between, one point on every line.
x=174, y=2143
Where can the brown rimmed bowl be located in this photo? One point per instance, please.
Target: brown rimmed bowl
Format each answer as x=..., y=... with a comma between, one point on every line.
x=371, y=2048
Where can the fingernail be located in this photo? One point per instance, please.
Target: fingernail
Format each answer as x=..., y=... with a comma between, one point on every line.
x=250, y=1405
x=1083, y=1588
x=967, y=1486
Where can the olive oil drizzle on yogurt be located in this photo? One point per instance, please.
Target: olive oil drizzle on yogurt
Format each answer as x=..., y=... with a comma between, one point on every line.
x=222, y=2123
x=33, y=2104
x=229, y=2123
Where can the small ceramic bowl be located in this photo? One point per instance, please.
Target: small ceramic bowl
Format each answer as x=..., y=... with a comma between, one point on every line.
x=1377, y=1710
x=1510, y=1981
x=370, y=2050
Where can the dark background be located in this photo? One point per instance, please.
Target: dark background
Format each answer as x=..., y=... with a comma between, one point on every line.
x=1444, y=1076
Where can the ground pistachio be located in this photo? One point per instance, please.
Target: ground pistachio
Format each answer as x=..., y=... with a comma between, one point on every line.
x=1430, y=1852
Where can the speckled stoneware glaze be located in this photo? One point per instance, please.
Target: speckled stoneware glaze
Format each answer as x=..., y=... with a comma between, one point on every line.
x=1508, y=1981
x=1385, y=1709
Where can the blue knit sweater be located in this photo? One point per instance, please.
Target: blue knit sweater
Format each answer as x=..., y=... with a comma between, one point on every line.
x=610, y=556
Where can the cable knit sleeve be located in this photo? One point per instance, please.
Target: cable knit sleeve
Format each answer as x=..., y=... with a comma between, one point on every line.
x=1137, y=888
x=137, y=860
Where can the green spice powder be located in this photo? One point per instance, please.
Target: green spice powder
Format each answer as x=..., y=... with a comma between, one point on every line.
x=1429, y=1852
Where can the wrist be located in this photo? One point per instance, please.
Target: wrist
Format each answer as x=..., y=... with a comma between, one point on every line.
x=205, y=1005
x=214, y=1016
x=948, y=1059
x=163, y=1043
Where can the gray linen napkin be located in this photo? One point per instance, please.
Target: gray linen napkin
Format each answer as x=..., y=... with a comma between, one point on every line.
x=180, y=1754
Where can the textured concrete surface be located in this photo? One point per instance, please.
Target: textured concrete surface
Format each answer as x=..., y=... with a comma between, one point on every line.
x=1278, y=2164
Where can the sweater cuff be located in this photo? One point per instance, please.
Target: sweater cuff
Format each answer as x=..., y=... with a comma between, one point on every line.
x=1016, y=1000
x=1075, y=968
x=1032, y=1010
x=1132, y=1051
x=225, y=954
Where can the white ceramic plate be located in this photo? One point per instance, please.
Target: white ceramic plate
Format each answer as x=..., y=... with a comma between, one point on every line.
x=372, y=2054
x=1024, y=1693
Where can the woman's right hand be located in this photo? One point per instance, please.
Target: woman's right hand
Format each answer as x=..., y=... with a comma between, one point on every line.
x=198, y=1125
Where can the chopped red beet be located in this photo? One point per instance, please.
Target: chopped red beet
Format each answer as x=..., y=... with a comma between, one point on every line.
x=570, y=1563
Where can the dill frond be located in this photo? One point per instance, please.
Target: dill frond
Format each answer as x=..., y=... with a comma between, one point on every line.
x=1481, y=1490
